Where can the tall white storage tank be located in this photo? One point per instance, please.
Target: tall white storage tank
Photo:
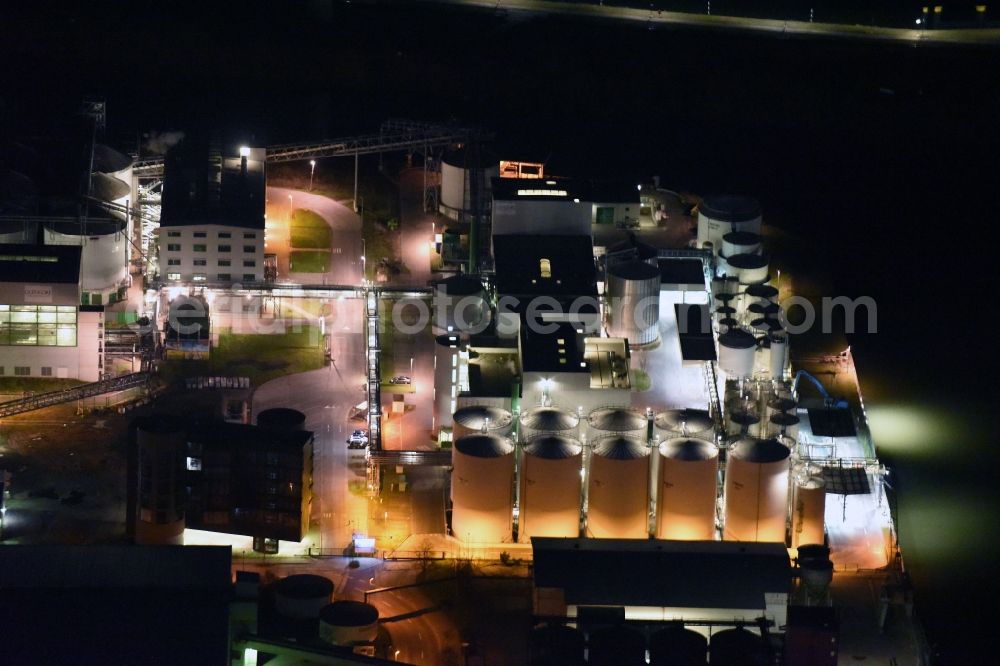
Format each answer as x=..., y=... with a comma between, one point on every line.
x=104, y=262
x=684, y=422
x=459, y=304
x=549, y=420
x=808, y=511
x=741, y=242
x=458, y=169
x=685, y=501
x=736, y=352
x=446, y=371
x=551, y=487
x=475, y=419
x=482, y=489
x=778, y=355
x=719, y=215
x=750, y=268
x=302, y=596
x=633, y=295
x=346, y=622
x=756, y=497
x=618, y=488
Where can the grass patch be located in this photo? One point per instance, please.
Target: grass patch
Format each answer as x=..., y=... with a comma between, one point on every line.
x=640, y=380
x=309, y=261
x=309, y=230
x=36, y=384
x=264, y=357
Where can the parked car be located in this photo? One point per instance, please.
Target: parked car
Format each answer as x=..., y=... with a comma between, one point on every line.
x=357, y=440
x=400, y=379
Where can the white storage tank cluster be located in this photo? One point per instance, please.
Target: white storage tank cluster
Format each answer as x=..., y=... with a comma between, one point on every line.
x=459, y=304
x=737, y=349
x=778, y=355
x=808, y=511
x=482, y=488
x=684, y=423
x=749, y=268
x=104, y=262
x=686, y=494
x=347, y=622
x=633, y=294
x=459, y=168
x=551, y=487
x=618, y=488
x=446, y=372
x=756, y=490
x=302, y=596
x=722, y=214
x=478, y=419
x=549, y=420
x=616, y=420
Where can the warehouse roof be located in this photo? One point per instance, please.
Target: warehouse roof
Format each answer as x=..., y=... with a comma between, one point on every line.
x=685, y=574
x=557, y=350
x=528, y=264
x=40, y=263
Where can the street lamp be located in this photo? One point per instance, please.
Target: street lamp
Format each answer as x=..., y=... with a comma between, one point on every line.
x=291, y=206
x=312, y=170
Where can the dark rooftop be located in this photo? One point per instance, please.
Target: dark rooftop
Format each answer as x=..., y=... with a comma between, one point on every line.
x=204, y=183
x=564, y=189
x=686, y=574
x=40, y=263
x=523, y=261
x=681, y=273
x=244, y=436
x=558, y=351
x=694, y=330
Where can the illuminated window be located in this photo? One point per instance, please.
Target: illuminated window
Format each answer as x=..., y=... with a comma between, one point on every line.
x=42, y=325
x=199, y=277
x=541, y=193
x=173, y=276
x=545, y=268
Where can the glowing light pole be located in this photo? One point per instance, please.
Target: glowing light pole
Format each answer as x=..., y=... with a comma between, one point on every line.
x=312, y=171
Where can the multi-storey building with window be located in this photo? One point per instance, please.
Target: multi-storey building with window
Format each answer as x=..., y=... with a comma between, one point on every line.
x=212, y=220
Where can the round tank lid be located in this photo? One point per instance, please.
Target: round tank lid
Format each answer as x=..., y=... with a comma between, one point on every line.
x=744, y=417
x=730, y=208
x=549, y=418
x=762, y=291
x=688, y=448
x=737, y=338
x=616, y=419
x=484, y=446
x=759, y=450
x=620, y=447
x=725, y=298
x=784, y=419
x=694, y=420
x=747, y=261
x=108, y=188
x=729, y=322
x=448, y=340
x=99, y=227
x=553, y=447
x=634, y=270
x=475, y=417
x=742, y=238
x=460, y=285
x=109, y=160
x=347, y=613
x=766, y=324
x=725, y=310
x=304, y=586
x=781, y=404
x=765, y=309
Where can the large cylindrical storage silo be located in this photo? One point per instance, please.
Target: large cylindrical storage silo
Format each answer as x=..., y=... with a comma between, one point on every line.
x=778, y=355
x=809, y=511
x=632, y=249
x=616, y=646
x=302, y=596
x=719, y=215
x=622, y=420
x=633, y=293
x=551, y=487
x=477, y=419
x=161, y=450
x=104, y=261
x=750, y=268
x=677, y=646
x=741, y=242
x=685, y=500
x=446, y=370
x=282, y=420
x=482, y=489
x=459, y=304
x=346, y=622
x=556, y=645
x=459, y=169
x=549, y=420
x=736, y=353
x=618, y=488
x=737, y=647
x=756, y=498
x=684, y=423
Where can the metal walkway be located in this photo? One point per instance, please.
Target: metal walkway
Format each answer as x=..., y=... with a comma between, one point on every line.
x=51, y=398
x=437, y=458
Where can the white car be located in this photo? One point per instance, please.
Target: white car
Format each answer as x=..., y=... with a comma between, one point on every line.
x=357, y=440
x=400, y=379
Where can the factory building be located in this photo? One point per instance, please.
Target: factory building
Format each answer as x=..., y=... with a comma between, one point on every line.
x=212, y=219
x=662, y=581
x=44, y=331
x=561, y=207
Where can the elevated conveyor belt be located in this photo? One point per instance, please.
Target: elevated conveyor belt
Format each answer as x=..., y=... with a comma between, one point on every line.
x=113, y=385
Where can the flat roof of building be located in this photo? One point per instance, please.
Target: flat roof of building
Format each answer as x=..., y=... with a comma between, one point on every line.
x=528, y=264
x=245, y=436
x=40, y=263
x=564, y=189
x=204, y=183
x=558, y=350
x=682, y=274
x=654, y=572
